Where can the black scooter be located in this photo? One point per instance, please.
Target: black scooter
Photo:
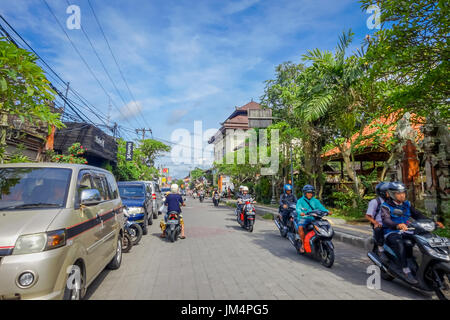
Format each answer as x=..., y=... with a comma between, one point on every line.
x=318, y=236
x=279, y=221
x=173, y=226
x=433, y=272
x=201, y=197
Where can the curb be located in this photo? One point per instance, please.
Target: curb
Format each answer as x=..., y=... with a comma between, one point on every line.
x=361, y=242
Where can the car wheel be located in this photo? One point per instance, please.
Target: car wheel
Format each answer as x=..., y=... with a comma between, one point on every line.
x=117, y=259
x=145, y=225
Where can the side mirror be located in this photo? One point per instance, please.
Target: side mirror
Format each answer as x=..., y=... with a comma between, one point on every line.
x=90, y=197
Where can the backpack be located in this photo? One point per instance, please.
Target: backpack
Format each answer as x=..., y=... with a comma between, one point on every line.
x=377, y=212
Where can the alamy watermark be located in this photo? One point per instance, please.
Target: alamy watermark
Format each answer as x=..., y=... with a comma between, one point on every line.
x=374, y=20
x=74, y=20
x=374, y=280
x=228, y=147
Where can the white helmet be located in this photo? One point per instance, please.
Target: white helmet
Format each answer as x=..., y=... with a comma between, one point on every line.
x=174, y=188
x=241, y=187
x=245, y=188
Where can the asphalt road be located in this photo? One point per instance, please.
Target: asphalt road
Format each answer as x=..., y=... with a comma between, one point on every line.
x=220, y=260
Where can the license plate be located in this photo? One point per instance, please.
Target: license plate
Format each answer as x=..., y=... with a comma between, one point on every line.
x=172, y=222
x=440, y=242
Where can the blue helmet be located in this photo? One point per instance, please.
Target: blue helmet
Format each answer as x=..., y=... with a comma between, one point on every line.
x=394, y=187
x=287, y=187
x=381, y=189
x=309, y=188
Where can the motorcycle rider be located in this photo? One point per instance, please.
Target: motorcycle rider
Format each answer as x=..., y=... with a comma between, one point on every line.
x=174, y=201
x=285, y=199
x=238, y=196
x=215, y=192
x=244, y=196
x=306, y=204
x=373, y=214
x=395, y=213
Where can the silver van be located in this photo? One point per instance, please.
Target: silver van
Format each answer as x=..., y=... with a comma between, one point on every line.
x=60, y=226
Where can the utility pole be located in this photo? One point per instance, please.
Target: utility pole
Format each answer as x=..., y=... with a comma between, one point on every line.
x=67, y=92
x=143, y=130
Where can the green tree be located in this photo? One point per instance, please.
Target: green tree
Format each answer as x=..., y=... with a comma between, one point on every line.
x=151, y=149
x=411, y=50
x=24, y=90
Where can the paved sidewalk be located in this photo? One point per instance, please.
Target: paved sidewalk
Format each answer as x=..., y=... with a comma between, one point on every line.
x=358, y=235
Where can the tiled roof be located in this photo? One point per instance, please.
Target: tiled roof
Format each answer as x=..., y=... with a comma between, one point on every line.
x=370, y=129
x=250, y=105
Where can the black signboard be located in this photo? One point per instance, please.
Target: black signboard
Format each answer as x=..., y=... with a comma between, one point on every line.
x=129, y=154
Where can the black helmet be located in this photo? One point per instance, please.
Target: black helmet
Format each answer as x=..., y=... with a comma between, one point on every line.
x=381, y=189
x=309, y=188
x=395, y=187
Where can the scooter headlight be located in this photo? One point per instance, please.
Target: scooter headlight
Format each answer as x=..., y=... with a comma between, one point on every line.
x=427, y=226
x=323, y=231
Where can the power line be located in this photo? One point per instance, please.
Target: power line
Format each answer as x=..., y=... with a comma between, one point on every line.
x=102, y=64
x=55, y=75
x=83, y=60
x=115, y=60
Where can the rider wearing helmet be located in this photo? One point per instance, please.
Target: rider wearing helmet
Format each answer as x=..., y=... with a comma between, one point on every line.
x=395, y=213
x=285, y=199
x=174, y=201
x=306, y=204
x=373, y=214
x=242, y=196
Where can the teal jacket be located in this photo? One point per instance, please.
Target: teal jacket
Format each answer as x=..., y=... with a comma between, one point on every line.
x=303, y=207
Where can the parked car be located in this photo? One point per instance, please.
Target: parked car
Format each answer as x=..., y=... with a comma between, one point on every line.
x=60, y=226
x=157, y=197
x=136, y=196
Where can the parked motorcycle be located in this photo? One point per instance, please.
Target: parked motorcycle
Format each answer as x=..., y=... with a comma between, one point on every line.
x=318, y=236
x=173, y=226
x=246, y=218
x=433, y=272
x=132, y=228
x=279, y=221
x=216, y=199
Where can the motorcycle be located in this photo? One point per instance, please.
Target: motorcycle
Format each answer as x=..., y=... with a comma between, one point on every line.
x=279, y=221
x=433, y=271
x=201, y=197
x=246, y=218
x=318, y=236
x=216, y=199
x=173, y=226
x=133, y=229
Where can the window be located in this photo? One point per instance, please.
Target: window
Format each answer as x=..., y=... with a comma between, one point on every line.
x=33, y=187
x=112, y=186
x=85, y=182
x=101, y=185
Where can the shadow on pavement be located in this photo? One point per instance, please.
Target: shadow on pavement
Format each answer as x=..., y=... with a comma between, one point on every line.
x=350, y=263
x=96, y=283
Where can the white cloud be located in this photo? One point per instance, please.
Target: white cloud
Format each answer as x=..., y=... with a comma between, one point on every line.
x=130, y=110
x=238, y=6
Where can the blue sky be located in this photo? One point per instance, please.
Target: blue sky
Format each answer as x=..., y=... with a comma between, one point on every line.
x=184, y=60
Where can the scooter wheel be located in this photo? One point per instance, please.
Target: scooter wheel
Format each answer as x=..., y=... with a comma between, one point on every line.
x=327, y=258
x=127, y=243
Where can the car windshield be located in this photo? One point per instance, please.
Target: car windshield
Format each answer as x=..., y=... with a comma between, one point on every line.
x=131, y=192
x=28, y=188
